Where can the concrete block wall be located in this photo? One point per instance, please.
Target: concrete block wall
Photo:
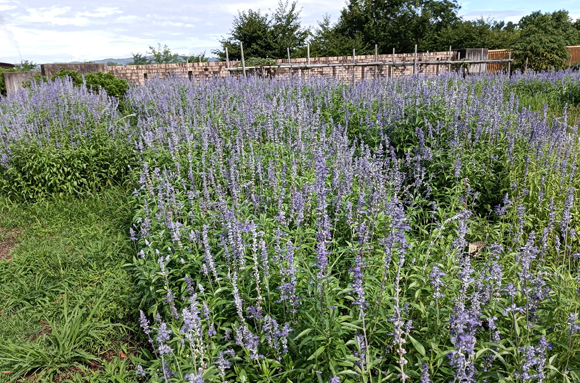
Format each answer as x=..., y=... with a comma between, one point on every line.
x=51, y=69
x=14, y=80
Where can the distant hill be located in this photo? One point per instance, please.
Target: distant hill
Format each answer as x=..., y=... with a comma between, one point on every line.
x=124, y=61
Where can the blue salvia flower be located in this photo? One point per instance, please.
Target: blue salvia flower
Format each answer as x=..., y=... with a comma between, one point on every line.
x=223, y=364
x=139, y=371
x=163, y=335
x=357, y=285
x=435, y=276
x=334, y=379
x=573, y=326
x=194, y=378
x=425, y=377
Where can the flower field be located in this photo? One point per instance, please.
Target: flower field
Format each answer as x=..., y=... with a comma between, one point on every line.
x=413, y=230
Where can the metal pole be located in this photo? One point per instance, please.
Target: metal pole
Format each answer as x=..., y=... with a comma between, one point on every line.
x=426, y=59
x=308, y=53
x=509, y=63
x=449, y=65
x=481, y=64
x=243, y=61
x=227, y=58
x=377, y=60
x=415, y=62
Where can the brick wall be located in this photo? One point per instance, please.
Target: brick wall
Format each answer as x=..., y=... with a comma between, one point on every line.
x=139, y=73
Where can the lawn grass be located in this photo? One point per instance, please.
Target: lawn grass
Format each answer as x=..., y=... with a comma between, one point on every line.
x=63, y=267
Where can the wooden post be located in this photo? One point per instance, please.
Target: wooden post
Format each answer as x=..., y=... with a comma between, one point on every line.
x=307, y=60
x=289, y=63
x=437, y=68
x=227, y=58
x=509, y=63
x=526, y=67
x=353, y=68
x=243, y=61
x=377, y=60
x=393, y=66
x=415, y=61
x=449, y=65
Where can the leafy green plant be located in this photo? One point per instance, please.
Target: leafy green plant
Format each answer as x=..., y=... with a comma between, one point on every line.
x=64, y=346
x=37, y=170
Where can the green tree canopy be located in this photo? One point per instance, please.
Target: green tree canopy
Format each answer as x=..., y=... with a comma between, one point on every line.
x=398, y=24
x=543, y=40
x=479, y=33
x=265, y=36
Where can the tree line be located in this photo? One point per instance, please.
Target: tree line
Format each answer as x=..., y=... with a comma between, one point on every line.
x=434, y=25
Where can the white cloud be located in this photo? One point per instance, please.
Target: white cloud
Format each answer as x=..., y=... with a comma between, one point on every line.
x=100, y=12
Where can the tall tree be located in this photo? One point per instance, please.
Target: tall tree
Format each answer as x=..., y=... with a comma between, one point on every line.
x=263, y=35
x=543, y=40
x=398, y=24
x=479, y=33
x=327, y=41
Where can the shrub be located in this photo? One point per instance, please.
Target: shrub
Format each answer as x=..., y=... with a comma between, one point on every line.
x=37, y=170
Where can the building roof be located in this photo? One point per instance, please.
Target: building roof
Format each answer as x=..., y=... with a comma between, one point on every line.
x=6, y=65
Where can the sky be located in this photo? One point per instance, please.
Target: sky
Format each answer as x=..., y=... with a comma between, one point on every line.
x=46, y=31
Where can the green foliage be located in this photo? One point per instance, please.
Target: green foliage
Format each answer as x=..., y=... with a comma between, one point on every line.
x=543, y=41
x=326, y=41
x=114, y=86
x=27, y=66
x=267, y=36
x=396, y=24
x=479, y=33
x=92, y=164
x=67, y=301
x=139, y=59
x=162, y=55
x=195, y=58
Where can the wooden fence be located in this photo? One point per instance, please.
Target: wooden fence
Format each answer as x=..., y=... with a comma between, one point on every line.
x=353, y=69
x=498, y=54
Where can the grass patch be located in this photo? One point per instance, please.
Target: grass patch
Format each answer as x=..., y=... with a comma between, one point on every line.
x=67, y=302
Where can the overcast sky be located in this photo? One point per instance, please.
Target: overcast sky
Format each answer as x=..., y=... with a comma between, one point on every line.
x=47, y=31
